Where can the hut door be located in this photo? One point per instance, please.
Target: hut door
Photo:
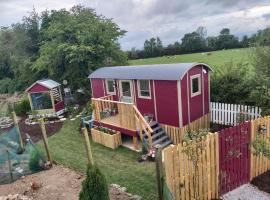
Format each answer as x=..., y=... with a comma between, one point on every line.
x=126, y=91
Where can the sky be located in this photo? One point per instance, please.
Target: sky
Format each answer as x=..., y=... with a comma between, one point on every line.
x=168, y=19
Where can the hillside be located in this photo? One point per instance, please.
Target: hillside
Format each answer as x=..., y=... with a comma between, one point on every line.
x=214, y=59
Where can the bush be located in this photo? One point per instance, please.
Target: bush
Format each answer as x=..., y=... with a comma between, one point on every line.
x=22, y=107
x=232, y=84
x=94, y=187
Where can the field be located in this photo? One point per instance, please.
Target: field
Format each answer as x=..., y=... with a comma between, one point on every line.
x=120, y=166
x=216, y=59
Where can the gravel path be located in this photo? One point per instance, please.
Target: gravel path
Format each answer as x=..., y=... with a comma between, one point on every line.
x=246, y=192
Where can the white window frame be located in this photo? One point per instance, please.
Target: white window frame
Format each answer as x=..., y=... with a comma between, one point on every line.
x=107, y=87
x=198, y=76
x=139, y=90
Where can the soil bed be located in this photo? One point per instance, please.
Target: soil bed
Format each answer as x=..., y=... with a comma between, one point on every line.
x=262, y=182
x=35, y=131
x=57, y=183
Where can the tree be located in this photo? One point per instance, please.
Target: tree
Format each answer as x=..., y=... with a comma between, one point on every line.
x=261, y=63
x=94, y=187
x=226, y=40
x=245, y=41
x=232, y=84
x=76, y=42
x=211, y=43
x=193, y=42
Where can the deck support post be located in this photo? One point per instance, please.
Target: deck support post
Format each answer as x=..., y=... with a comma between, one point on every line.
x=135, y=142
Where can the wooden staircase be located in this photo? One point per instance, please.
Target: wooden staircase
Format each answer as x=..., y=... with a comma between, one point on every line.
x=159, y=136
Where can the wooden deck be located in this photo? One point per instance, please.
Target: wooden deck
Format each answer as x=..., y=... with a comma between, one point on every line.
x=112, y=120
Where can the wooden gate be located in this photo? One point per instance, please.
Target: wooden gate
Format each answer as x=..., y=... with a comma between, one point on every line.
x=234, y=154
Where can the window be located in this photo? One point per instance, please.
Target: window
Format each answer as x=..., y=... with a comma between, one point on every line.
x=110, y=87
x=144, y=89
x=41, y=101
x=195, y=82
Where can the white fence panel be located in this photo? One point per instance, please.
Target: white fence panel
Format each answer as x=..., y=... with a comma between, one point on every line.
x=232, y=114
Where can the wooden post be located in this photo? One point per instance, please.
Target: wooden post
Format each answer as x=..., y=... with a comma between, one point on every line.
x=10, y=168
x=87, y=146
x=135, y=142
x=18, y=129
x=45, y=140
x=159, y=172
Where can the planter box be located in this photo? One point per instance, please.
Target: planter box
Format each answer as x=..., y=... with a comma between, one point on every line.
x=108, y=140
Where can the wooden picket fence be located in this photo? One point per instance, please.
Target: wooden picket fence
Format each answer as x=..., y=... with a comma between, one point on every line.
x=233, y=114
x=176, y=134
x=259, y=163
x=226, y=162
x=183, y=180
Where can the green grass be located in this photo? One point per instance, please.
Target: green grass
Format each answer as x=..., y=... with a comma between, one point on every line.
x=216, y=59
x=119, y=166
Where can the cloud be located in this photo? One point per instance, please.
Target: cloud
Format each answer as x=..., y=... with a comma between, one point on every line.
x=169, y=20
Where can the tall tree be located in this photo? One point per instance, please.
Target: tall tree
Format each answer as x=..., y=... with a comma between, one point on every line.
x=76, y=42
x=226, y=40
x=261, y=63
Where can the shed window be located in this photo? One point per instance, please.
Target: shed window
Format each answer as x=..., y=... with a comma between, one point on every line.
x=195, y=82
x=144, y=89
x=110, y=87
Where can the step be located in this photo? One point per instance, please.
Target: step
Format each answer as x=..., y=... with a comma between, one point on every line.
x=155, y=136
x=153, y=123
x=160, y=140
x=156, y=129
x=165, y=144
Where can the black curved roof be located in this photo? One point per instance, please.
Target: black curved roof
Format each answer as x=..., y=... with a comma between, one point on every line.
x=146, y=72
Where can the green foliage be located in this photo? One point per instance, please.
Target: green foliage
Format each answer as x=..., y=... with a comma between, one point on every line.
x=192, y=140
x=62, y=45
x=145, y=147
x=94, y=187
x=261, y=62
x=232, y=84
x=22, y=107
x=261, y=146
x=87, y=111
x=35, y=162
x=196, y=41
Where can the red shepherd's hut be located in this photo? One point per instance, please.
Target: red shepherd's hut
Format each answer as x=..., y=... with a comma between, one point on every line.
x=174, y=94
x=45, y=97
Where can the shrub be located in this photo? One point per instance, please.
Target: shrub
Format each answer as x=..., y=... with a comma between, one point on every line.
x=94, y=187
x=22, y=107
x=232, y=84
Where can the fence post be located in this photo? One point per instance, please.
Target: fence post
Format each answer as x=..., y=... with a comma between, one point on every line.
x=159, y=172
x=18, y=129
x=87, y=146
x=10, y=168
x=45, y=140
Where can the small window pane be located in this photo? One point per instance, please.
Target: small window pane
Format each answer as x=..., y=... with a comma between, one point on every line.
x=110, y=86
x=144, y=88
x=195, y=85
x=126, y=89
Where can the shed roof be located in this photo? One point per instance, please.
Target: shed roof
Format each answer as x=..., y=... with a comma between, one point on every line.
x=48, y=83
x=146, y=72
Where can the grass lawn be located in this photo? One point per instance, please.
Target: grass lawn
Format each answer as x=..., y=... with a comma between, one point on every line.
x=120, y=166
x=216, y=59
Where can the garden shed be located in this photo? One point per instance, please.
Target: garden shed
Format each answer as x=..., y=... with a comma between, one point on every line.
x=175, y=94
x=45, y=97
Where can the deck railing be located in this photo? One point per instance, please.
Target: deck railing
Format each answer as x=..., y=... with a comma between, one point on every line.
x=129, y=117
